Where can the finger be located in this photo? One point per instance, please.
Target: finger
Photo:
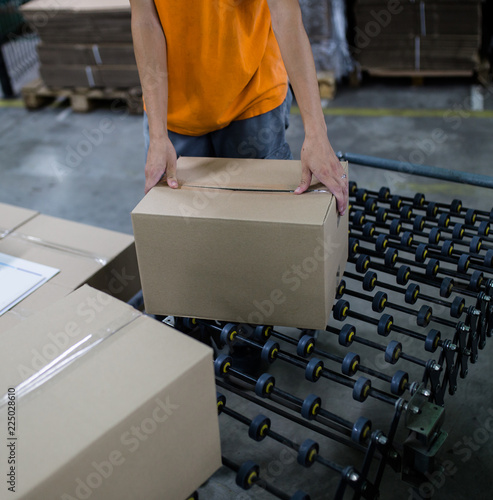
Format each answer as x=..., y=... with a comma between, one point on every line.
x=152, y=180
x=306, y=179
x=342, y=198
x=171, y=173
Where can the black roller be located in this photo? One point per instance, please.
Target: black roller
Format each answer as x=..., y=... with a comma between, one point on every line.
x=393, y=352
x=247, y=475
x=361, y=430
x=265, y=385
x=269, y=352
x=259, y=427
x=305, y=346
x=361, y=389
x=350, y=364
x=399, y=383
x=314, y=369
x=432, y=340
x=346, y=335
x=311, y=406
x=412, y=293
x=307, y=453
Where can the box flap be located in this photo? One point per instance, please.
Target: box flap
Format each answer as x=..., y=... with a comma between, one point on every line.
x=241, y=174
x=238, y=189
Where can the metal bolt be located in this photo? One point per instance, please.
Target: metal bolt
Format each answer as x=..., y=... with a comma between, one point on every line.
x=382, y=439
x=436, y=367
x=414, y=410
x=452, y=347
x=426, y=393
x=353, y=476
x=476, y=312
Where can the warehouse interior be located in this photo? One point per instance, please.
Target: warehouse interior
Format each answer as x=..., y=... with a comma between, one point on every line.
x=83, y=160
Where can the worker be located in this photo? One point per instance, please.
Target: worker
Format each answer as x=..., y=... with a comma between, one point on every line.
x=214, y=75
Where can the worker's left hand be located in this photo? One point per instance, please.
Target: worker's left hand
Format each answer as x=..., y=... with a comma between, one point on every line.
x=318, y=159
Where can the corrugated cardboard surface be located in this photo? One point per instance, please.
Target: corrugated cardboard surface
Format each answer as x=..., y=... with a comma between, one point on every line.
x=126, y=420
x=84, y=254
x=12, y=217
x=235, y=244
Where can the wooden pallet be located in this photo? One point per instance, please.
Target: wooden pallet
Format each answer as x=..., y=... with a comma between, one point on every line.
x=36, y=95
x=326, y=85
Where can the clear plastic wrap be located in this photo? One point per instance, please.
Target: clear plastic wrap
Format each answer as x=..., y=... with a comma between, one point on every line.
x=325, y=23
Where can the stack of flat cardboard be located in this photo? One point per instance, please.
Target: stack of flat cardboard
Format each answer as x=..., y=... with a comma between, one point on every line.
x=87, y=43
x=435, y=37
x=325, y=24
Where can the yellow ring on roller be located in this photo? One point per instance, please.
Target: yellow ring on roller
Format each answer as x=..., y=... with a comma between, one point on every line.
x=233, y=334
x=474, y=218
x=194, y=321
x=385, y=244
x=383, y=302
x=385, y=217
x=447, y=222
x=467, y=264
x=309, y=349
x=318, y=371
x=394, y=258
x=354, y=366
x=269, y=388
x=428, y=316
x=264, y=429
x=389, y=325
x=361, y=220
x=365, y=432
x=435, y=269
x=350, y=337
x=462, y=233
x=415, y=294
x=480, y=281
x=408, y=274
x=397, y=353
x=372, y=231
x=487, y=231
x=252, y=477
x=399, y=204
x=365, y=196
x=451, y=249
x=435, y=344
x=267, y=331
x=366, y=265
x=312, y=455
x=366, y=391
x=226, y=367
x=345, y=311
x=315, y=409
x=273, y=354
x=399, y=227
x=373, y=282
x=459, y=208
x=219, y=404
x=403, y=383
x=480, y=244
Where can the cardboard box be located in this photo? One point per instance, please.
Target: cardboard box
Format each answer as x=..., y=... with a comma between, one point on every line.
x=235, y=244
x=134, y=416
x=84, y=254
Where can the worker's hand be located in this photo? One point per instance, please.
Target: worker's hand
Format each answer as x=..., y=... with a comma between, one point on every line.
x=161, y=160
x=318, y=159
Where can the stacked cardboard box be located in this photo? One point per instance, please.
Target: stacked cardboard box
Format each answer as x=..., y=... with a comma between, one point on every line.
x=436, y=37
x=83, y=254
x=87, y=43
x=111, y=404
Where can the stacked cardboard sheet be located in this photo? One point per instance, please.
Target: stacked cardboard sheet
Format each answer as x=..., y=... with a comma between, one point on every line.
x=428, y=36
x=325, y=23
x=87, y=43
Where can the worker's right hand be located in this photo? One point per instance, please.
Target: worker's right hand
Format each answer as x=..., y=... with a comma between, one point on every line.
x=161, y=160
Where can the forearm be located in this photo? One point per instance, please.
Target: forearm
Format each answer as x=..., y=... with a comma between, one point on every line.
x=298, y=59
x=151, y=56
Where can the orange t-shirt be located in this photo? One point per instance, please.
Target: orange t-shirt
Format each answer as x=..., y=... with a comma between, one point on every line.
x=224, y=63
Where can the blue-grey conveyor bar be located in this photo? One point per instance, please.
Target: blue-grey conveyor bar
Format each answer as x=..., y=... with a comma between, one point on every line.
x=423, y=170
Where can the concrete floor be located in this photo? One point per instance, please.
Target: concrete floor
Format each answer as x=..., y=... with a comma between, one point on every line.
x=89, y=168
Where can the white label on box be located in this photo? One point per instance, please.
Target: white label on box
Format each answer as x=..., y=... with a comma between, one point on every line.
x=19, y=278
